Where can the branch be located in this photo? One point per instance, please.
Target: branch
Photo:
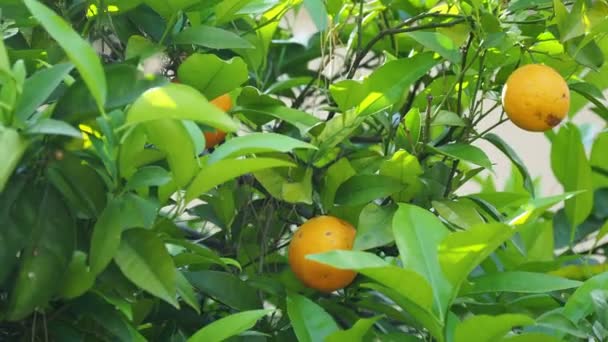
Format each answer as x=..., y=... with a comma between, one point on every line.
x=399, y=29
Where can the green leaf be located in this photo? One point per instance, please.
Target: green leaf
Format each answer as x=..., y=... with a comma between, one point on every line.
x=125, y=84
x=460, y=252
x=309, y=321
x=80, y=52
x=144, y=260
x=445, y=118
x=418, y=234
x=356, y=333
x=186, y=292
x=53, y=127
x=531, y=337
x=407, y=283
x=469, y=153
x=148, y=176
x=579, y=304
x=225, y=288
x=229, y=326
x=5, y=64
x=78, y=278
x=106, y=236
x=571, y=167
x=406, y=168
x=257, y=143
x=12, y=148
x=45, y=260
x=227, y=169
x=570, y=25
x=292, y=185
x=178, y=101
x=17, y=224
x=461, y=213
x=362, y=189
x=483, y=328
x=299, y=119
x=316, y=9
x=599, y=159
x=375, y=227
x=171, y=137
x=336, y=174
x=505, y=148
x=439, y=43
x=211, y=37
x=139, y=46
x=38, y=88
x=413, y=124
x=385, y=86
x=212, y=75
x=520, y=282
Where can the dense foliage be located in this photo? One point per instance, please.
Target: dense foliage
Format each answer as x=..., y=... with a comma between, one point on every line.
x=118, y=223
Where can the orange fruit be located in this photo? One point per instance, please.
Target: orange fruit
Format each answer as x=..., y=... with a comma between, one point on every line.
x=213, y=138
x=318, y=235
x=536, y=97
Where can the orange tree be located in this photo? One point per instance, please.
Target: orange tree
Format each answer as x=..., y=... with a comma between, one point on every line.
x=118, y=221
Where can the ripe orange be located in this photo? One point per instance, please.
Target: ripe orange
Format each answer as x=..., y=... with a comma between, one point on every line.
x=318, y=235
x=224, y=103
x=536, y=97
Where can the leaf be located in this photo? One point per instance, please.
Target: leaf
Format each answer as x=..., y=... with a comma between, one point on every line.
x=362, y=189
x=148, y=176
x=53, y=127
x=465, y=152
x=211, y=37
x=572, y=169
x=45, y=259
x=125, y=84
x=144, y=260
x=407, y=283
x=385, y=86
x=78, y=278
x=406, y=168
x=519, y=282
x=309, y=321
x=225, y=170
x=531, y=337
x=106, y=236
x=171, y=137
x=186, y=292
x=375, y=227
x=505, y=148
x=139, y=46
x=579, y=304
x=336, y=174
x=225, y=288
x=316, y=9
x=257, y=143
x=80, y=52
x=12, y=148
x=38, y=88
x=212, y=75
x=292, y=185
x=494, y=327
x=229, y=326
x=445, y=118
x=460, y=252
x=461, y=213
x=356, y=333
x=299, y=119
x=439, y=43
x=178, y=101
x=599, y=159
x=418, y=234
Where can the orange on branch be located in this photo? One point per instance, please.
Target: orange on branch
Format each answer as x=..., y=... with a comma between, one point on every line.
x=215, y=137
x=536, y=97
x=318, y=235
